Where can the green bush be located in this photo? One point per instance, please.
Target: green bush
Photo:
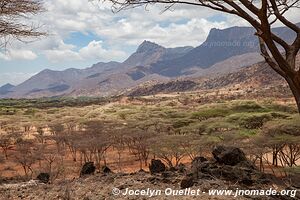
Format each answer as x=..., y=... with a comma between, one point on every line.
x=250, y=120
x=209, y=113
x=30, y=111
x=248, y=106
x=220, y=126
x=248, y=132
x=181, y=123
x=286, y=126
x=282, y=108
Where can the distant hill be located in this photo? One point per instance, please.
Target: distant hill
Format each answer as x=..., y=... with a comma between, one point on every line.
x=6, y=89
x=219, y=45
x=224, y=51
x=256, y=76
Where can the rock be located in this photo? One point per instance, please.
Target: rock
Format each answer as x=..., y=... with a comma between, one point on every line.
x=106, y=170
x=181, y=168
x=231, y=165
x=87, y=168
x=187, y=182
x=44, y=177
x=198, y=160
x=172, y=169
x=228, y=155
x=157, y=166
x=142, y=171
x=167, y=174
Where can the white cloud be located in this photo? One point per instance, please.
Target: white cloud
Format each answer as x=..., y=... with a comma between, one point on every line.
x=130, y=27
x=186, y=25
x=180, y=26
x=94, y=50
x=18, y=54
x=14, y=77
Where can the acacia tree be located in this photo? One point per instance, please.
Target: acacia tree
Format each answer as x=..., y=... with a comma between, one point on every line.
x=6, y=144
x=12, y=15
x=260, y=14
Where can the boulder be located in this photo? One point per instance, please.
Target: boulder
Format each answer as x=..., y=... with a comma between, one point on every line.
x=230, y=164
x=187, y=182
x=198, y=160
x=172, y=169
x=88, y=168
x=106, y=170
x=44, y=177
x=157, y=166
x=181, y=168
x=167, y=174
x=228, y=155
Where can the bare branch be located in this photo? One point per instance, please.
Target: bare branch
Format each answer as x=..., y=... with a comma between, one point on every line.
x=12, y=15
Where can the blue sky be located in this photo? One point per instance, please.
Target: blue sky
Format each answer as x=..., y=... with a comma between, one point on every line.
x=82, y=33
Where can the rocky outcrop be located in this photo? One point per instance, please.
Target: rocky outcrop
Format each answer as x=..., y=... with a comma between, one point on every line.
x=106, y=170
x=157, y=166
x=229, y=164
x=87, y=168
x=228, y=155
x=44, y=177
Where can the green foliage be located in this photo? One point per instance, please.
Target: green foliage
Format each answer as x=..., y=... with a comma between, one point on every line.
x=181, y=123
x=8, y=111
x=220, y=126
x=287, y=126
x=248, y=106
x=52, y=102
x=293, y=170
x=30, y=111
x=282, y=108
x=175, y=114
x=248, y=132
x=207, y=113
x=252, y=120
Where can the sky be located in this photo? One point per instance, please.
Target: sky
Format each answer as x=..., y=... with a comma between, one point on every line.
x=84, y=32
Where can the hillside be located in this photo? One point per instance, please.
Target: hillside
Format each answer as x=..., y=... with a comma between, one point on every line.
x=257, y=76
x=224, y=51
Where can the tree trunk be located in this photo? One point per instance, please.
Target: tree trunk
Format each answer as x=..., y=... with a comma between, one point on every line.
x=294, y=85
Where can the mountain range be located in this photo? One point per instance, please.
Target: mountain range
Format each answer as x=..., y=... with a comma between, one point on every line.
x=223, y=52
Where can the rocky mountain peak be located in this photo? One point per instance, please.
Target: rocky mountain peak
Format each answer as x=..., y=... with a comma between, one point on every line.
x=232, y=33
x=148, y=46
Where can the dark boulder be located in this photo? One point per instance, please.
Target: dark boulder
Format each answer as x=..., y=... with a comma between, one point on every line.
x=167, y=174
x=142, y=171
x=228, y=155
x=88, y=168
x=187, y=182
x=157, y=166
x=106, y=170
x=43, y=177
x=172, y=169
x=198, y=160
x=181, y=168
x=230, y=164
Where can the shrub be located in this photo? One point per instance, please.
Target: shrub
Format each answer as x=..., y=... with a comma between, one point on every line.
x=282, y=108
x=248, y=106
x=287, y=126
x=220, y=126
x=210, y=113
x=181, y=123
x=250, y=121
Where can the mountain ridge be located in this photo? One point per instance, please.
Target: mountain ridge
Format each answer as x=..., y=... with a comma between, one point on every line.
x=219, y=54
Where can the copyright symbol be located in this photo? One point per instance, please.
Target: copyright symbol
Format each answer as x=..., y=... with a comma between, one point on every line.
x=116, y=191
